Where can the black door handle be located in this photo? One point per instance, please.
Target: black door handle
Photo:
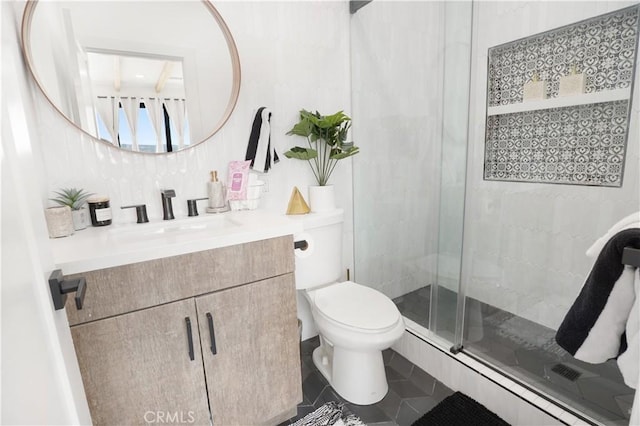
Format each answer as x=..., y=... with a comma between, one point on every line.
x=212, y=333
x=190, y=338
x=80, y=290
x=60, y=288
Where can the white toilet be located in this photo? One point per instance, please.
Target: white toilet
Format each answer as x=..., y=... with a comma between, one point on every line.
x=356, y=323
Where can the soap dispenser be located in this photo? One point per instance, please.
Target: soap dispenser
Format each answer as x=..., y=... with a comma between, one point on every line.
x=217, y=199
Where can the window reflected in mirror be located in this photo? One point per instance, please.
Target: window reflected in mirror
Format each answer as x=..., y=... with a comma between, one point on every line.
x=139, y=101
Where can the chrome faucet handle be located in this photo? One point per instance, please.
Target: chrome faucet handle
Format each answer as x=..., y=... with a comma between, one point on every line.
x=167, y=207
x=192, y=206
x=141, y=212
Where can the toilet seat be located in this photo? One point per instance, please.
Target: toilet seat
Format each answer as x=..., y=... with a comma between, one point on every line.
x=356, y=306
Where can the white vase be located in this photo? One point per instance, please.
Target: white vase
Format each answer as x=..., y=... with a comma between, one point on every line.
x=59, y=221
x=321, y=198
x=80, y=218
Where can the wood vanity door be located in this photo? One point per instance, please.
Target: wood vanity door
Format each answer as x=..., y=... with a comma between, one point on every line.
x=137, y=367
x=254, y=377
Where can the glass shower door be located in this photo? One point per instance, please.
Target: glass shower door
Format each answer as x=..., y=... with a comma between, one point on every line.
x=410, y=83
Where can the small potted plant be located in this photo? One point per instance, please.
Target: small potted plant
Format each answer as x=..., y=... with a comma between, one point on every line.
x=76, y=200
x=327, y=144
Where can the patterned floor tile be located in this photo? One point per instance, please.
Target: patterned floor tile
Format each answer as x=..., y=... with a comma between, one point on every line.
x=407, y=414
x=313, y=386
x=369, y=413
x=328, y=395
x=401, y=365
x=393, y=375
x=528, y=351
x=602, y=390
x=406, y=389
x=423, y=380
x=390, y=404
x=393, y=410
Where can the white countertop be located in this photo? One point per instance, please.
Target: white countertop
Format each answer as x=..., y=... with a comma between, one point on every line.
x=115, y=245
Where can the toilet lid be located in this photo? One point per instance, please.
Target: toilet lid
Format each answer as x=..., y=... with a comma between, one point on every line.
x=357, y=306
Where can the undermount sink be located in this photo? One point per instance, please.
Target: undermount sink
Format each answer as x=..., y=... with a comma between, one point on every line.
x=207, y=225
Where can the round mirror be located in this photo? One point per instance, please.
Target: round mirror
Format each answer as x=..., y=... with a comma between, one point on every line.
x=149, y=77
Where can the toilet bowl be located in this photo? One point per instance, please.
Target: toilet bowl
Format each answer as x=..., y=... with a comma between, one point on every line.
x=355, y=322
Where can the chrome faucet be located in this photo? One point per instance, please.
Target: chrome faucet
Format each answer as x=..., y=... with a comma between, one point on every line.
x=167, y=208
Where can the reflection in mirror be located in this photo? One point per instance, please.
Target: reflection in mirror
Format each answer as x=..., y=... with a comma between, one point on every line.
x=143, y=76
x=139, y=119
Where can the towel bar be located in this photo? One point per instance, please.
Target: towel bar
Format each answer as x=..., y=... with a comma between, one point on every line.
x=631, y=256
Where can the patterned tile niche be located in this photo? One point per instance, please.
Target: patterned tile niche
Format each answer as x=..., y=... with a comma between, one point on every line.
x=602, y=47
x=577, y=145
x=582, y=144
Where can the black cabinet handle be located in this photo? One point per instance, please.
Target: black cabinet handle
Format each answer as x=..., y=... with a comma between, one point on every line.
x=212, y=333
x=190, y=338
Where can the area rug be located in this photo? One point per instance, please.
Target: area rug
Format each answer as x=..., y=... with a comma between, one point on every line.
x=330, y=414
x=459, y=410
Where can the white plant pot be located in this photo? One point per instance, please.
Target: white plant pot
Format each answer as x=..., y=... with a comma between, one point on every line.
x=321, y=198
x=80, y=218
x=59, y=221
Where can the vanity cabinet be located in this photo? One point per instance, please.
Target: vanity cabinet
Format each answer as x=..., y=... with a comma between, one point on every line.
x=226, y=346
x=252, y=326
x=137, y=365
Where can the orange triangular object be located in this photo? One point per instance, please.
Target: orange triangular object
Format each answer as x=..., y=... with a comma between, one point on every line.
x=297, y=204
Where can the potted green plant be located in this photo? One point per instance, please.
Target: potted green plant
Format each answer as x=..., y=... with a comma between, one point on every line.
x=76, y=200
x=327, y=144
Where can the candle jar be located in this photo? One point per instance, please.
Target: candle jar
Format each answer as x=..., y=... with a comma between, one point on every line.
x=99, y=210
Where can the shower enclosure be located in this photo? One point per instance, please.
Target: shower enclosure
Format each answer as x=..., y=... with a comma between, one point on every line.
x=492, y=266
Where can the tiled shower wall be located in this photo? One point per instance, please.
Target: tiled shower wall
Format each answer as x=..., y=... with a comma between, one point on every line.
x=525, y=243
x=580, y=144
x=602, y=48
x=397, y=61
x=293, y=55
x=583, y=144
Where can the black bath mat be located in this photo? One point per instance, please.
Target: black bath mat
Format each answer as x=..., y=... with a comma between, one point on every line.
x=459, y=410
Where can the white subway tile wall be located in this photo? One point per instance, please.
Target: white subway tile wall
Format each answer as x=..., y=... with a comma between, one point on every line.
x=293, y=55
x=524, y=243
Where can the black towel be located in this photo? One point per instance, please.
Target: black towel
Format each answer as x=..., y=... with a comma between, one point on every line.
x=594, y=328
x=260, y=142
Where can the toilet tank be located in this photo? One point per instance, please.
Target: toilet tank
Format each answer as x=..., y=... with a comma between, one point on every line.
x=321, y=262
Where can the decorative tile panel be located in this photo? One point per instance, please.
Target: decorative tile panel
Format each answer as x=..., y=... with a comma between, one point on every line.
x=582, y=145
x=579, y=144
x=602, y=47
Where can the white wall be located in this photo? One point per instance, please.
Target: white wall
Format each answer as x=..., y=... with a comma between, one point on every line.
x=524, y=243
x=40, y=377
x=293, y=55
x=397, y=62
